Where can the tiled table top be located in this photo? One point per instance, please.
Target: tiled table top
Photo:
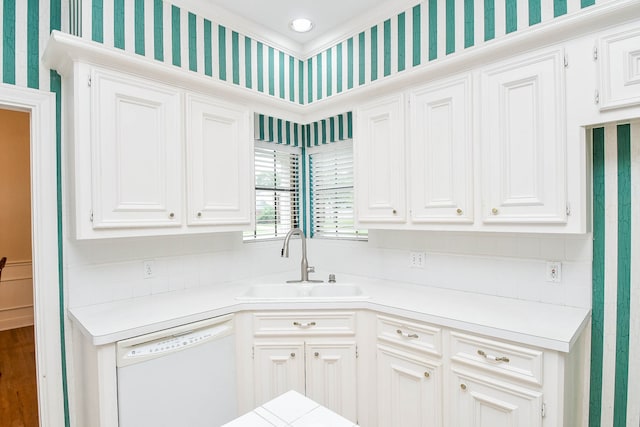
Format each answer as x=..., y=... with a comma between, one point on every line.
x=291, y=409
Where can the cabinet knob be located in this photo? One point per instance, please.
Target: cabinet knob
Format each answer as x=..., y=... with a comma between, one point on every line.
x=494, y=211
x=394, y=212
x=463, y=387
x=459, y=211
x=199, y=214
x=426, y=374
x=293, y=355
x=172, y=215
x=316, y=354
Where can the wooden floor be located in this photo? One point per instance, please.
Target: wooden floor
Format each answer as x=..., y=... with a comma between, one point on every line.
x=18, y=392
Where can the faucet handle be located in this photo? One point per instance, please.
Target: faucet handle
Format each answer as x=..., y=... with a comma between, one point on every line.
x=311, y=269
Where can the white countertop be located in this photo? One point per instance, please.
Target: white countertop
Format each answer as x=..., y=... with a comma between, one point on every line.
x=543, y=325
x=291, y=409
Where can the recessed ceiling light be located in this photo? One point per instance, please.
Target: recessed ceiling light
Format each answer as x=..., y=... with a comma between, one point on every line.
x=301, y=25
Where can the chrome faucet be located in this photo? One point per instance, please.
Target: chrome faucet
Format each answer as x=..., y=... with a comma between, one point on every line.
x=304, y=265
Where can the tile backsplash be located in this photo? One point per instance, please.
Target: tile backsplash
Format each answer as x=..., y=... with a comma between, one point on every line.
x=510, y=265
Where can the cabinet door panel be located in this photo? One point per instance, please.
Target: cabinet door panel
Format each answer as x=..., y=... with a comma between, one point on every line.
x=136, y=153
x=480, y=401
x=441, y=153
x=278, y=368
x=331, y=376
x=379, y=161
x=409, y=390
x=619, y=68
x=219, y=158
x=524, y=141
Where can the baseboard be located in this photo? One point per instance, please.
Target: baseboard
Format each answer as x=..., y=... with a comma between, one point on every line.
x=17, y=270
x=16, y=318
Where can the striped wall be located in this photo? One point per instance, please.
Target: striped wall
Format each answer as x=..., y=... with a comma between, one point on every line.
x=325, y=131
x=25, y=26
x=615, y=353
x=279, y=131
x=427, y=31
x=160, y=30
x=430, y=30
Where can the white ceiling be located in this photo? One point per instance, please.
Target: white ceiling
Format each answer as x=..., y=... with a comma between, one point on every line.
x=332, y=18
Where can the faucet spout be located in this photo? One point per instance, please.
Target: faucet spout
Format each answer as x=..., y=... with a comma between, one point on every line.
x=304, y=263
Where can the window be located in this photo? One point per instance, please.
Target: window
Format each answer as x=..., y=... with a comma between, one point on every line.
x=277, y=192
x=331, y=192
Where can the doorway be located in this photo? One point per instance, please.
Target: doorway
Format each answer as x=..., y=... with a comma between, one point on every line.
x=18, y=392
x=47, y=305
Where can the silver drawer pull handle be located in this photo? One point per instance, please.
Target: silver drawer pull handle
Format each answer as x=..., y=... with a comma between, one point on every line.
x=304, y=325
x=406, y=335
x=493, y=358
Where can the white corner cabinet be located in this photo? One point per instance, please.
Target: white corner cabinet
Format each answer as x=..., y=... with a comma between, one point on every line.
x=151, y=158
x=484, y=150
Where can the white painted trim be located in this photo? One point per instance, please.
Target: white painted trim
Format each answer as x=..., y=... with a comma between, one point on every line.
x=41, y=105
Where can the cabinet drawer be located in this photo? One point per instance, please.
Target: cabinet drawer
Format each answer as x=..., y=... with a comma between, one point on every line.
x=304, y=323
x=416, y=336
x=510, y=360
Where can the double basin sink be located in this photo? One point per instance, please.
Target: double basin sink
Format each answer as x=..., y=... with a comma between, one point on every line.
x=303, y=292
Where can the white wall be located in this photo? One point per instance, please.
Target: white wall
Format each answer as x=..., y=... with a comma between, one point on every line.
x=505, y=265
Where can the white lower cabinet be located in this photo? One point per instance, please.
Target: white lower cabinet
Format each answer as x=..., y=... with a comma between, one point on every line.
x=479, y=400
x=409, y=389
x=409, y=373
x=278, y=368
x=378, y=370
x=311, y=353
x=331, y=376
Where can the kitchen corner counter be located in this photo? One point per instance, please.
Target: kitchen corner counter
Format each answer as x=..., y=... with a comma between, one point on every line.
x=291, y=409
x=543, y=325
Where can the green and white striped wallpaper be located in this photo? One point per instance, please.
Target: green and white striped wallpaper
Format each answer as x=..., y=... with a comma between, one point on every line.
x=25, y=26
x=615, y=349
x=325, y=131
x=168, y=33
x=430, y=30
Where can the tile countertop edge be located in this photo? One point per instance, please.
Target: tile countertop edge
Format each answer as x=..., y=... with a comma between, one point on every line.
x=111, y=322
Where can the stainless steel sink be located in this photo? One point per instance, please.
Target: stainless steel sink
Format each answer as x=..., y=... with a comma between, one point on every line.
x=303, y=292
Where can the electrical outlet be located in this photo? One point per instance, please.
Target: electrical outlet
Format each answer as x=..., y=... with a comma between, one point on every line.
x=148, y=269
x=417, y=259
x=554, y=271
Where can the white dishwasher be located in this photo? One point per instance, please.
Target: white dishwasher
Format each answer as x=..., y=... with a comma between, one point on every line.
x=184, y=376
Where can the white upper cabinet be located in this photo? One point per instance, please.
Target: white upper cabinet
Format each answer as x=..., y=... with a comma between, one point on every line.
x=219, y=159
x=154, y=159
x=619, y=69
x=136, y=152
x=379, y=170
x=441, y=170
x=523, y=140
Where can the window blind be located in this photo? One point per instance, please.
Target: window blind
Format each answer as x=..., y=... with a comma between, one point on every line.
x=277, y=174
x=331, y=193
